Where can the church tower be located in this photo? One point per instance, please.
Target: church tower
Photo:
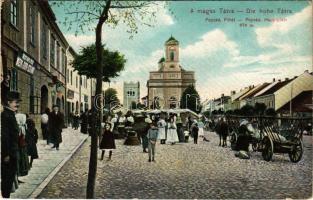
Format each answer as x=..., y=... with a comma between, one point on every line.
x=172, y=55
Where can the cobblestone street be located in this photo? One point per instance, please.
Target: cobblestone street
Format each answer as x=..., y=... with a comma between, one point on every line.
x=185, y=171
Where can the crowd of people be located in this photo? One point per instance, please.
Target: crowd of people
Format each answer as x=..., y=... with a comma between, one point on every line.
x=19, y=138
x=150, y=128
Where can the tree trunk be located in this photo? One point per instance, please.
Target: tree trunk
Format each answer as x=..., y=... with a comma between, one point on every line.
x=97, y=115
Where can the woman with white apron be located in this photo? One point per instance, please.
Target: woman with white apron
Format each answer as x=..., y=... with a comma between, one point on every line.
x=162, y=134
x=201, y=126
x=172, y=132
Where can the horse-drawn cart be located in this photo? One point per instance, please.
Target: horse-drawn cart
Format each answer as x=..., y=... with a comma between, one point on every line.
x=268, y=135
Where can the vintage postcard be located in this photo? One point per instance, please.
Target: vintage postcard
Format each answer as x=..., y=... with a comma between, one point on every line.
x=110, y=99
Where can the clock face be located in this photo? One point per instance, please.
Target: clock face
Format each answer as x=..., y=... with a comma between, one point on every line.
x=172, y=48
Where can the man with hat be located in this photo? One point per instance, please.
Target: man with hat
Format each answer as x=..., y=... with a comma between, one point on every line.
x=56, y=124
x=9, y=142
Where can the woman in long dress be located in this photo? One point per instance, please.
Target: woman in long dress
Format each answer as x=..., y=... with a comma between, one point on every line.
x=162, y=134
x=172, y=137
x=23, y=162
x=201, y=126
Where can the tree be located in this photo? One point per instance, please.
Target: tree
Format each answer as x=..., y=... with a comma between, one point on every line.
x=237, y=112
x=110, y=98
x=271, y=112
x=207, y=113
x=191, y=96
x=229, y=112
x=259, y=108
x=247, y=110
x=84, y=14
x=86, y=63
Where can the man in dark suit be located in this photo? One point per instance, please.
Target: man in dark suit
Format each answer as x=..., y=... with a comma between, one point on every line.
x=56, y=124
x=9, y=143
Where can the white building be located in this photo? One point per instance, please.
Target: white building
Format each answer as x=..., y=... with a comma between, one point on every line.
x=78, y=87
x=131, y=93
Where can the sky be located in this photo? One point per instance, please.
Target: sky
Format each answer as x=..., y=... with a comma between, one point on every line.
x=224, y=55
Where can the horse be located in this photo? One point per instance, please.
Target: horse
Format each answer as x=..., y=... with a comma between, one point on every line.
x=222, y=131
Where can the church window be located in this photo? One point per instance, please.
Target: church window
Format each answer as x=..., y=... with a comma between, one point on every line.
x=172, y=55
x=172, y=66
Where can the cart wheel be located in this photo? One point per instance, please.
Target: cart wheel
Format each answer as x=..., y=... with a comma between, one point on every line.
x=268, y=149
x=296, y=152
x=233, y=141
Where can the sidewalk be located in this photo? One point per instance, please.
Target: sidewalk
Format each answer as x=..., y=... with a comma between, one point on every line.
x=49, y=163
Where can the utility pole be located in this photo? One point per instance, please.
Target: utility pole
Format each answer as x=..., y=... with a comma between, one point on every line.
x=290, y=102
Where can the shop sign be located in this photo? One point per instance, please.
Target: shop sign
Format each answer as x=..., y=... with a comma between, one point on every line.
x=26, y=63
x=70, y=94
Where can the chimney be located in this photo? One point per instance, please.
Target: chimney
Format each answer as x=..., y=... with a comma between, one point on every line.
x=286, y=79
x=222, y=95
x=306, y=71
x=232, y=92
x=279, y=80
x=273, y=80
x=295, y=76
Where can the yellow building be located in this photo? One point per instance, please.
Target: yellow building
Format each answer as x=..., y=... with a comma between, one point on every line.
x=166, y=85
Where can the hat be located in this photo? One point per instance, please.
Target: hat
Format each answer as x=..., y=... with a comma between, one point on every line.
x=13, y=95
x=55, y=105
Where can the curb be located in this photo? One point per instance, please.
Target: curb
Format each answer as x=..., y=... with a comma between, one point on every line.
x=47, y=180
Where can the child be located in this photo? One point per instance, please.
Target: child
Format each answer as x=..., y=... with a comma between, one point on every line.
x=31, y=139
x=152, y=138
x=107, y=141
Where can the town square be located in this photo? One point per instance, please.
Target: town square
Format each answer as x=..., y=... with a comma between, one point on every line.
x=156, y=99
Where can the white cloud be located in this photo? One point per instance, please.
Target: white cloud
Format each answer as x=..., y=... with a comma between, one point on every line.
x=270, y=35
x=80, y=40
x=211, y=42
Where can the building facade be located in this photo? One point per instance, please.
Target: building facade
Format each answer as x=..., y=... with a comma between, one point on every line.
x=131, y=93
x=166, y=85
x=33, y=52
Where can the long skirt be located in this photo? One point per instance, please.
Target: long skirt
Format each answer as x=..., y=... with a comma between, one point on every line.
x=144, y=141
x=172, y=135
x=201, y=133
x=162, y=133
x=23, y=162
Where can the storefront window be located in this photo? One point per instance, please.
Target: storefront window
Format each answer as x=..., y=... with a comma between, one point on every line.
x=13, y=12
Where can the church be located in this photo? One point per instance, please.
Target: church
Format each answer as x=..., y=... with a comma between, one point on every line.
x=167, y=84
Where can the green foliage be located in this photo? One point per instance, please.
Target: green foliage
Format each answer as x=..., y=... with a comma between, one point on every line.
x=271, y=112
x=247, y=110
x=259, y=108
x=229, y=112
x=85, y=63
x=192, y=97
x=207, y=113
x=110, y=98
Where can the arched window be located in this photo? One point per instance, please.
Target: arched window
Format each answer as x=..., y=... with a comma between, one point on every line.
x=172, y=54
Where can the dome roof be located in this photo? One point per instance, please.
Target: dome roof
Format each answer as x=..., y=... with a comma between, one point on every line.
x=171, y=40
